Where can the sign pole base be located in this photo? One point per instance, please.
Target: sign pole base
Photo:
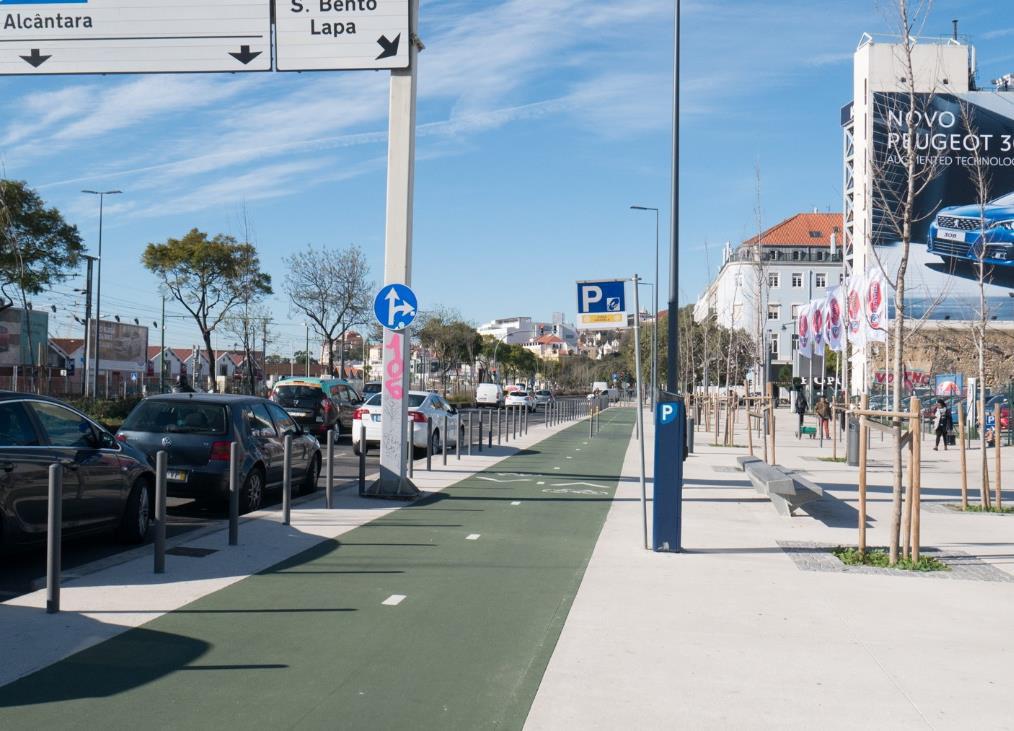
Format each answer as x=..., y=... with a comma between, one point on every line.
x=393, y=487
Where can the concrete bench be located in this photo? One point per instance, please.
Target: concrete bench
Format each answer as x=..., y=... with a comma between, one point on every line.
x=785, y=492
x=745, y=460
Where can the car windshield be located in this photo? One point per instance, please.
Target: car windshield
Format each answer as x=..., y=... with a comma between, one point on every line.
x=371, y=388
x=542, y=393
x=414, y=400
x=521, y=394
x=1004, y=200
x=297, y=395
x=177, y=417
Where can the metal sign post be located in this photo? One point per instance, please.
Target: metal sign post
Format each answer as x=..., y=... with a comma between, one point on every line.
x=639, y=416
x=393, y=481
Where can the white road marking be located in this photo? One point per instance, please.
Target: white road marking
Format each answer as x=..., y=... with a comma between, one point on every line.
x=394, y=600
x=540, y=483
x=556, y=468
x=569, y=457
x=577, y=449
x=586, y=484
x=472, y=537
x=518, y=502
x=497, y=479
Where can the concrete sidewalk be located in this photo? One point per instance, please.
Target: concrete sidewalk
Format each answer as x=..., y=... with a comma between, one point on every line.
x=103, y=601
x=733, y=633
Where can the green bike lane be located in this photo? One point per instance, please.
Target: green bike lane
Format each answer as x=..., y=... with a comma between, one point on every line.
x=488, y=569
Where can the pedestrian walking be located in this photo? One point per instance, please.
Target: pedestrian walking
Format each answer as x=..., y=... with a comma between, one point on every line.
x=943, y=423
x=823, y=412
x=801, y=407
x=841, y=406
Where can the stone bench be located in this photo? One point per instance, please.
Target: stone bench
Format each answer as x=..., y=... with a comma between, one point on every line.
x=785, y=491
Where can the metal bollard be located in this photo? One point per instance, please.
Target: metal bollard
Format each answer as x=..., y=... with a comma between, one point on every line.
x=329, y=472
x=490, y=432
x=459, y=437
x=287, y=481
x=429, y=443
x=514, y=422
x=444, y=441
x=161, y=458
x=233, y=494
x=54, y=531
x=690, y=433
x=498, y=442
x=591, y=425
x=362, y=459
x=411, y=448
x=469, y=420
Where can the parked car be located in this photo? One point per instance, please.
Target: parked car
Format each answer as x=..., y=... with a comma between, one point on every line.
x=488, y=394
x=195, y=430
x=318, y=404
x=371, y=388
x=520, y=398
x=421, y=405
x=544, y=397
x=106, y=485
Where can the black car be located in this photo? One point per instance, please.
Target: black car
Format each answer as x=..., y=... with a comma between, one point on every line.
x=318, y=405
x=106, y=485
x=195, y=430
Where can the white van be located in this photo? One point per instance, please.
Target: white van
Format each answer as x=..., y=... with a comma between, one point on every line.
x=488, y=394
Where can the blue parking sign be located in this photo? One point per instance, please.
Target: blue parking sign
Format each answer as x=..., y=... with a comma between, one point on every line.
x=601, y=297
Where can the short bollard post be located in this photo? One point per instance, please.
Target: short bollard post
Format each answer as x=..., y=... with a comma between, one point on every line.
x=444, y=443
x=54, y=528
x=362, y=459
x=514, y=422
x=287, y=481
x=482, y=430
x=490, y=432
x=459, y=437
x=429, y=443
x=469, y=420
x=329, y=472
x=233, y=494
x=526, y=421
x=161, y=458
x=498, y=437
x=506, y=424
x=591, y=425
x=410, y=452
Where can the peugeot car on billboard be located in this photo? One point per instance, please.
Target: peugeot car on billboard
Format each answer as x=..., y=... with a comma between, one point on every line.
x=961, y=232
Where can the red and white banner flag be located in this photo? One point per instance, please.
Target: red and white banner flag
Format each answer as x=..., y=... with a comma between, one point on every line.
x=804, y=332
x=834, y=319
x=875, y=306
x=816, y=308
x=855, y=319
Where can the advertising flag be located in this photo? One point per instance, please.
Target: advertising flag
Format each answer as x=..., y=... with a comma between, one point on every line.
x=805, y=340
x=855, y=327
x=875, y=306
x=834, y=321
x=817, y=326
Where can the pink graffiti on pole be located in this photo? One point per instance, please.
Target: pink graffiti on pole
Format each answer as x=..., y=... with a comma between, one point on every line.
x=395, y=368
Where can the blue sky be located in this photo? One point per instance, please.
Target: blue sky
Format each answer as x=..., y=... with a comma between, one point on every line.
x=541, y=122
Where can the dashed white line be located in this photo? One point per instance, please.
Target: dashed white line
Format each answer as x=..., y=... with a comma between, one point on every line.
x=556, y=468
x=569, y=457
x=472, y=537
x=394, y=600
x=540, y=483
x=518, y=502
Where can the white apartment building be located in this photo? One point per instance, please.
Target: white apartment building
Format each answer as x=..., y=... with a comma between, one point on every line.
x=770, y=276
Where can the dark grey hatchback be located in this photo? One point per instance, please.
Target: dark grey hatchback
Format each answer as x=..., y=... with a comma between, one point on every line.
x=195, y=430
x=106, y=485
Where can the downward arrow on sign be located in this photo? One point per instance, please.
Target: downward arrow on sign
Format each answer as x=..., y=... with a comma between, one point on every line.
x=245, y=55
x=390, y=47
x=36, y=59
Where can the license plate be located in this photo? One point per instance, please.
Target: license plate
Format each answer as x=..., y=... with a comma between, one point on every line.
x=320, y=419
x=299, y=413
x=176, y=475
x=951, y=235
x=376, y=418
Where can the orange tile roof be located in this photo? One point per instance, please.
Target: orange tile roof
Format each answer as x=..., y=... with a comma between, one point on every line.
x=67, y=345
x=795, y=231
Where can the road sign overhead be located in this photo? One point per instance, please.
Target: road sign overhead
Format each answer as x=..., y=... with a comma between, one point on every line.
x=395, y=306
x=326, y=35
x=601, y=305
x=134, y=36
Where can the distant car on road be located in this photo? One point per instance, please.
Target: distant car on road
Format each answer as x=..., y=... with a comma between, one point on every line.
x=318, y=404
x=421, y=405
x=488, y=394
x=106, y=485
x=544, y=397
x=370, y=388
x=964, y=233
x=520, y=398
x=195, y=430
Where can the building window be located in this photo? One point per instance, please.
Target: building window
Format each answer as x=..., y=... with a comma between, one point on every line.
x=774, y=279
x=773, y=346
x=820, y=280
x=737, y=313
x=797, y=279
x=795, y=341
x=774, y=312
x=738, y=280
x=794, y=309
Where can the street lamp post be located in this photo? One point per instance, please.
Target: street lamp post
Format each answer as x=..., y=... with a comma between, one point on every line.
x=98, y=286
x=654, y=318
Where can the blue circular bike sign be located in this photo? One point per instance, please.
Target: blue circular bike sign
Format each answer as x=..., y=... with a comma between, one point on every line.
x=395, y=306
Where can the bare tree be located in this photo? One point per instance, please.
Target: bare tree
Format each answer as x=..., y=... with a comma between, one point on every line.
x=332, y=288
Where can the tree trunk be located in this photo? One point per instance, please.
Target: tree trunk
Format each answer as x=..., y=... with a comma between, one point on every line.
x=212, y=382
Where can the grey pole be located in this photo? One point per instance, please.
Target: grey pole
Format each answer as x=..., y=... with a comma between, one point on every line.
x=233, y=494
x=640, y=415
x=161, y=458
x=429, y=443
x=329, y=472
x=526, y=421
x=287, y=481
x=411, y=448
x=458, y=438
x=443, y=442
x=362, y=459
x=490, y=432
x=54, y=529
x=470, y=433
x=498, y=436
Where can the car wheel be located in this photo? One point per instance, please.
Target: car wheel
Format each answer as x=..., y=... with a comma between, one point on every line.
x=134, y=525
x=337, y=431
x=356, y=449
x=312, y=475
x=252, y=495
x=436, y=447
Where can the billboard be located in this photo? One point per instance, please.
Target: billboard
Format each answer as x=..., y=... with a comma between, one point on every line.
x=124, y=347
x=601, y=305
x=16, y=347
x=958, y=216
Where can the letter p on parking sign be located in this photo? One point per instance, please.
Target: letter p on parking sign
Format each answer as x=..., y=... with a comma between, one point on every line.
x=601, y=305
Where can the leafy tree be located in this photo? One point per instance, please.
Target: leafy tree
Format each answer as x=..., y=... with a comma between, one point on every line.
x=209, y=277
x=332, y=288
x=450, y=340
